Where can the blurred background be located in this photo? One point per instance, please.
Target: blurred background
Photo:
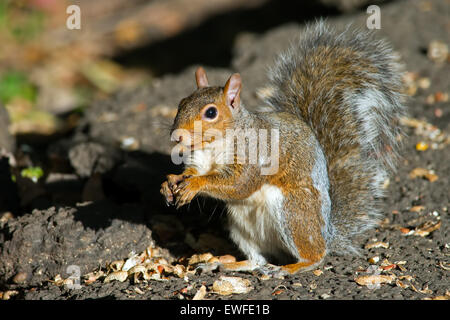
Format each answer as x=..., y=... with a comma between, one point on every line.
x=50, y=74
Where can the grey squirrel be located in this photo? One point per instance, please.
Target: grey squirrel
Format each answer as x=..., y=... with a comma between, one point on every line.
x=335, y=101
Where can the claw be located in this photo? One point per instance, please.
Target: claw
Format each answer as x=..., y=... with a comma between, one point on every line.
x=167, y=193
x=272, y=271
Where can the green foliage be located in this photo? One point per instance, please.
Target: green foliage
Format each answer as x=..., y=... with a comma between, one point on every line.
x=15, y=84
x=33, y=173
x=22, y=23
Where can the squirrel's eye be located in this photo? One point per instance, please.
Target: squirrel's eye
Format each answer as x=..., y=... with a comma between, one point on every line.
x=211, y=113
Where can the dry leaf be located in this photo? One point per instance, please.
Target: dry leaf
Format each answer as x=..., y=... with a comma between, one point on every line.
x=425, y=290
x=230, y=285
x=401, y=284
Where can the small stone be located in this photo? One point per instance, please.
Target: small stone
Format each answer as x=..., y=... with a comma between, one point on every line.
x=20, y=277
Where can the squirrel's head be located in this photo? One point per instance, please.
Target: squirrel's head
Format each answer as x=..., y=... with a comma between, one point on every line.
x=212, y=107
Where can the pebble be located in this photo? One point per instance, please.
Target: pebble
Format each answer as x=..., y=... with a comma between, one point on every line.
x=20, y=277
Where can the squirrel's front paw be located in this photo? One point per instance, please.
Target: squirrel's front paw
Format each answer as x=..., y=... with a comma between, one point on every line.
x=167, y=193
x=168, y=187
x=186, y=190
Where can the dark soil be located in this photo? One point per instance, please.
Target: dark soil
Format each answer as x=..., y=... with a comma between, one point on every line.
x=100, y=202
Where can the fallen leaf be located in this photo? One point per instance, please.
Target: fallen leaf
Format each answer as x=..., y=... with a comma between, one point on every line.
x=425, y=289
x=401, y=284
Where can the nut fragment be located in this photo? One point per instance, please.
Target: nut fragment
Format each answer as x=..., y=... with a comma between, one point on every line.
x=437, y=51
x=93, y=276
x=374, y=260
x=374, y=279
x=417, y=208
x=118, y=275
x=317, y=272
x=8, y=294
x=427, y=228
x=200, y=294
x=423, y=173
x=230, y=285
x=227, y=259
x=200, y=258
x=131, y=262
x=378, y=244
x=116, y=265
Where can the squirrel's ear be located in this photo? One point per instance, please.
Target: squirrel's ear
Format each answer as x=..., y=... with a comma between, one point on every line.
x=232, y=90
x=200, y=77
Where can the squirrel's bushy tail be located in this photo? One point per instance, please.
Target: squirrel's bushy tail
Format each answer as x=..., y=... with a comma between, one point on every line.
x=347, y=87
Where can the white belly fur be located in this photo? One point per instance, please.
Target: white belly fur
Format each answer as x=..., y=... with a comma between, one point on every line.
x=257, y=225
